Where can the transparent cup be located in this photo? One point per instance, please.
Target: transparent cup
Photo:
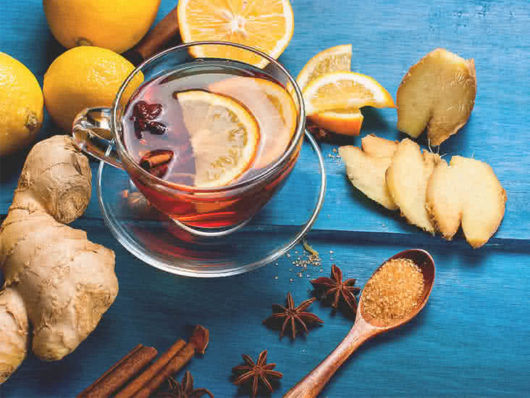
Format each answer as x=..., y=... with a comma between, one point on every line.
x=203, y=211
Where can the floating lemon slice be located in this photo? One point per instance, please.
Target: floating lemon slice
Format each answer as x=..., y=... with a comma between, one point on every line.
x=223, y=134
x=345, y=90
x=267, y=25
x=333, y=59
x=273, y=108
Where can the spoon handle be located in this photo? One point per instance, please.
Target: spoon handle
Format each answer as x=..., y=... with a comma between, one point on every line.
x=311, y=385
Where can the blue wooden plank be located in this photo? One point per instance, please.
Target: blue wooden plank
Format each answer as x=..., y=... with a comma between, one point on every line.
x=472, y=338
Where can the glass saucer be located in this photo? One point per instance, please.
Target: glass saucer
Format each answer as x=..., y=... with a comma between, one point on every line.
x=159, y=241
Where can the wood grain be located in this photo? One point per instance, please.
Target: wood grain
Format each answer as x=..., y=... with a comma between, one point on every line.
x=471, y=340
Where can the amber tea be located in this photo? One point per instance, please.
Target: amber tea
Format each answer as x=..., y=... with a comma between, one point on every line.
x=206, y=126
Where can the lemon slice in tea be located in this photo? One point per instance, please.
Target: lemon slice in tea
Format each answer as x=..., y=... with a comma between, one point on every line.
x=223, y=134
x=273, y=108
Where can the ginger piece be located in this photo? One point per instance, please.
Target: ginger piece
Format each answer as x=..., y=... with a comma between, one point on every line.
x=438, y=93
x=406, y=180
x=380, y=147
x=54, y=276
x=13, y=332
x=367, y=173
x=466, y=192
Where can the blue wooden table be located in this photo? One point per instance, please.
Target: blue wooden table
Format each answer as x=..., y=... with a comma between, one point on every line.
x=473, y=339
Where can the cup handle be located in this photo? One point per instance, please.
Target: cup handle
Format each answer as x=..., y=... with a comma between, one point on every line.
x=92, y=134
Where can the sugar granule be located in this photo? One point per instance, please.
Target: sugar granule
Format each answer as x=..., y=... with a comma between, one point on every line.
x=392, y=292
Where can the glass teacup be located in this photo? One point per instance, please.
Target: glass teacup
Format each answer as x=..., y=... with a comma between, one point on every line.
x=159, y=132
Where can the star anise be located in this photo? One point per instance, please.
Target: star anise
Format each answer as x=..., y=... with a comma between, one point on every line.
x=297, y=317
x=258, y=373
x=334, y=287
x=184, y=389
x=144, y=116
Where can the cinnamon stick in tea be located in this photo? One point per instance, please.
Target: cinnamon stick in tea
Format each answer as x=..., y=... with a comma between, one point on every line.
x=120, y=373
x=156, y=158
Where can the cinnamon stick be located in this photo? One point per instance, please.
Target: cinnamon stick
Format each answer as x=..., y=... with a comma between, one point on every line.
x=172, y=367
x=156, y=158
x=155, y=40
x=138, y=383
x=120, y=373
x=198, y=342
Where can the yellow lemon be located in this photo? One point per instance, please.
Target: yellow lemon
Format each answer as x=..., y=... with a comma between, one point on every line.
x=20, y=105
x=114, y=24
x=84, y=77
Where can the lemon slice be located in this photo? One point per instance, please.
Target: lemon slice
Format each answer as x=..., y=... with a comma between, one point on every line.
x=223, y=134
x=267, y=25
x=333, y=59
x=345, y=90
x=273, y=108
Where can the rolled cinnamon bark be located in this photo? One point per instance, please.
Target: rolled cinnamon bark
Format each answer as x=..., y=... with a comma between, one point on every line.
x=155, y=40
x=173, y=366
x=120, y=373
x=138, y=383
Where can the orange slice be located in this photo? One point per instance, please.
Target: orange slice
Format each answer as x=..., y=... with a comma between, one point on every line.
x=273, y=108
x=264, y=24
x=346, y=122
x=345, y=90
x=224, y=136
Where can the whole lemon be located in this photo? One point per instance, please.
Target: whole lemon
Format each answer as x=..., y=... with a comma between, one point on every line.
x=20, y=105
x=114, y=24
x=84, y=77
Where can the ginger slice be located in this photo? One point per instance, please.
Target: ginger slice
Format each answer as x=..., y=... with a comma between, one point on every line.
x=367, y=174
x=380, y=147
x=406, y=180
x=466, y=192
x=438, y=93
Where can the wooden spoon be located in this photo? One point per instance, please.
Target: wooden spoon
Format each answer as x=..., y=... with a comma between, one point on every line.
x=362, y=330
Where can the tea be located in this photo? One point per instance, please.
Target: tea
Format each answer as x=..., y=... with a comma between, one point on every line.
x=206, y=126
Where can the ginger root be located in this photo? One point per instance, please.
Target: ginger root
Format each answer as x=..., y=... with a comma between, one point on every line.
x=54, y=276
x=437, y=93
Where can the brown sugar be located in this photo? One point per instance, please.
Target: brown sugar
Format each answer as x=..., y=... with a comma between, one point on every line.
x=392, y=292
